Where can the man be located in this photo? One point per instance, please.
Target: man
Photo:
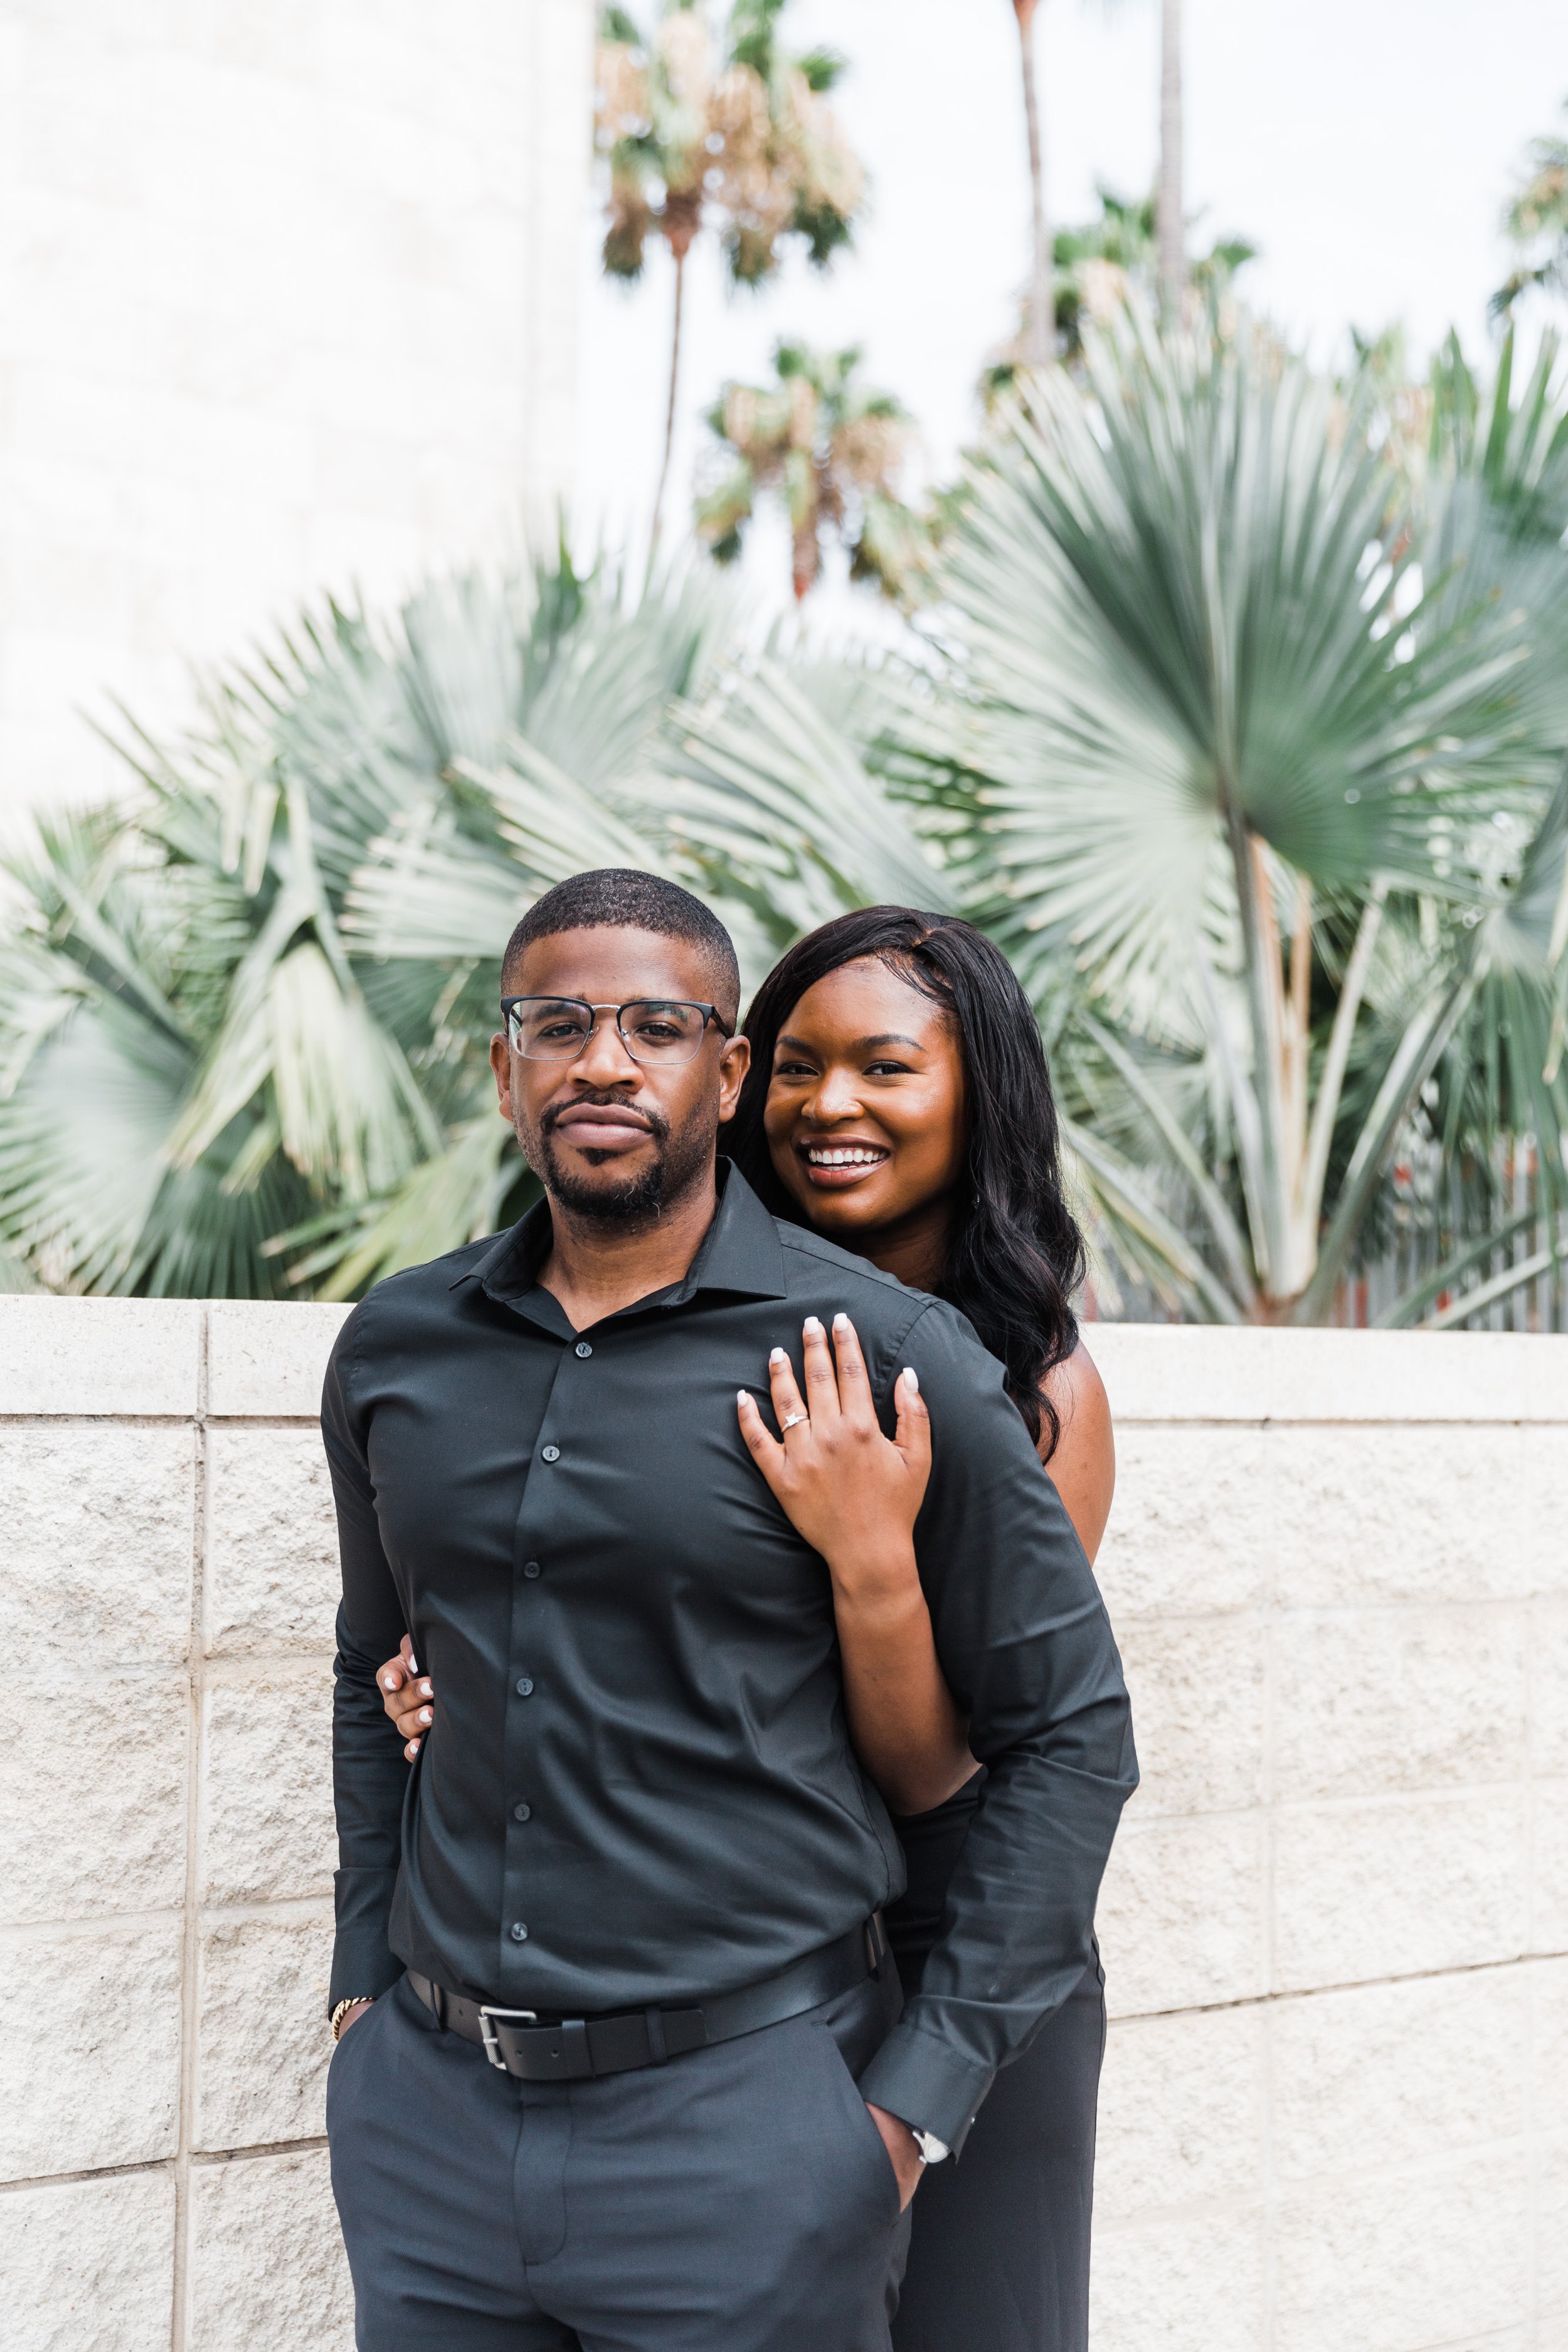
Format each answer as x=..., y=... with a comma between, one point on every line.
x=618, y=1931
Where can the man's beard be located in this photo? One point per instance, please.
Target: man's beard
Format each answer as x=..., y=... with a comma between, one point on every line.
x=678, y=1161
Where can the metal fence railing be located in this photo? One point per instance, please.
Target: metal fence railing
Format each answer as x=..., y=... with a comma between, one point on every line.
x=1489, y=1229
x=1486, y=1227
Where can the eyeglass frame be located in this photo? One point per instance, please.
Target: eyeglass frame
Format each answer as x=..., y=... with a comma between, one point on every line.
x=709, y=1012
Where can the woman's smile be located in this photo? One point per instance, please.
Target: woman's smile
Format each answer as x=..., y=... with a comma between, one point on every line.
x=833, y=1163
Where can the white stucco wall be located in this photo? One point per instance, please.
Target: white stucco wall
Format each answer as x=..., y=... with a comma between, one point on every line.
x=286, y=303
x=1335, y=2112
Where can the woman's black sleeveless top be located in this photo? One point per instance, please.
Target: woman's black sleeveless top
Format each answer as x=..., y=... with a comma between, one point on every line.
x=932, y=1842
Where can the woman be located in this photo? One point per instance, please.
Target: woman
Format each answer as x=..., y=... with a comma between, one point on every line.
x=899, y=1104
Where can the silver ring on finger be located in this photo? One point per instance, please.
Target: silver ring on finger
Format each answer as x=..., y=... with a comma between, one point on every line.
x=790, y=1419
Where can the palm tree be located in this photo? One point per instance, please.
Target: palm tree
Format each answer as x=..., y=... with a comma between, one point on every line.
x=1264, y=758
x=1244, y=729
x=1537, y=222
x=694, y=125
x=244, y=1032
x=1119, y=254
x=117, y=964
x=1103, y=262
x=253, y=1068
x=1042, y=316
x=1172, y=223
x=834, y=448
x=1040, y=324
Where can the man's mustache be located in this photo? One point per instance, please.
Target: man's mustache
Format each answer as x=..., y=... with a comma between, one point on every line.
x=657, y=1128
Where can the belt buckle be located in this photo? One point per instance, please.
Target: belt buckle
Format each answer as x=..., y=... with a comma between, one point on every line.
x=487, y=2031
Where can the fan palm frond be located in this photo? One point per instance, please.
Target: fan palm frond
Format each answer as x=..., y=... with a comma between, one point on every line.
x=108, y=1007
x=779, y=812
x=1225, y=683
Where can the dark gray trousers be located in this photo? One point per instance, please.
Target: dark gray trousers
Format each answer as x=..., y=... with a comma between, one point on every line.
x=737, y=2200
x=999, y=2253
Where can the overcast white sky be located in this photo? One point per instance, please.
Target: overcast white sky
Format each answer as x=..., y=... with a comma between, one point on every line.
x=1367, y=146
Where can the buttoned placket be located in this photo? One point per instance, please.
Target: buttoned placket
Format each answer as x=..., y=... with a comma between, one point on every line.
x=528, y=1701
x=568, y=1415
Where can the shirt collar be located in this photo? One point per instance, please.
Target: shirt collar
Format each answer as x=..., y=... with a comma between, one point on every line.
x=740, y=1253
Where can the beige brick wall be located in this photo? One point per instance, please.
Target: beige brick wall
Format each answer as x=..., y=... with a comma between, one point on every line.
x=168, y=1582
x=287, y=303
x=1335, y=2112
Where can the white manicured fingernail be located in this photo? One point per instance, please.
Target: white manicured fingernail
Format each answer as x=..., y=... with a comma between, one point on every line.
x=424, y=1715
x=390, y=1682
x=777, y=1355
x=740, y=1396
x=841, y=1321
x=812, y=1323
x=413, y=1663
x=913, y=1377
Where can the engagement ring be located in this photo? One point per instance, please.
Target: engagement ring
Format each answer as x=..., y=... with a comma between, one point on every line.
x=791, y=1418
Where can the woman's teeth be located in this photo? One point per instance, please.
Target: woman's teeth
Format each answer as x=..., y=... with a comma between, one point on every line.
x=842, y=1155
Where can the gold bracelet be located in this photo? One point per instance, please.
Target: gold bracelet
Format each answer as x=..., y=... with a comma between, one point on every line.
x=342, y=2009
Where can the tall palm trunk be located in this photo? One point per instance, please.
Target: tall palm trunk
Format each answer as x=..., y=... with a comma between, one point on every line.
x=1284, y=1134
x=669, y=403
x=680, y=220
x=1172, y=238
x=1040, y=343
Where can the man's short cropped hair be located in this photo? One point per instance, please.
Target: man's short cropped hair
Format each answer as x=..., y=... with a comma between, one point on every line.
x=619, y=897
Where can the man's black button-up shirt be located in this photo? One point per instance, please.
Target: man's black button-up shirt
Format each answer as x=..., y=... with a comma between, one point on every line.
x=638, y=1789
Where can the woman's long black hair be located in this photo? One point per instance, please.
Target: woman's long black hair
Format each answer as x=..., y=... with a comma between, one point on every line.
x=1016, y=1254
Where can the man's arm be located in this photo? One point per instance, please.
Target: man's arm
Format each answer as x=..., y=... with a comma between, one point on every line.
x=369, y=1775
x=1025, y=1646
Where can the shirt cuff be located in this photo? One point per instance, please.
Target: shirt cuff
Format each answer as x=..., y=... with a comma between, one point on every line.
x=927, y=2084
x=363, y=1964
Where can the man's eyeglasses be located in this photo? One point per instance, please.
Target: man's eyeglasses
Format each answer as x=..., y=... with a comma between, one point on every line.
x=652, y=1028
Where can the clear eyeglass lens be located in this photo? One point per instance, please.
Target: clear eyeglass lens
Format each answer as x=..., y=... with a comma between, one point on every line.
x=653, y=1029
x=548, y=1032
x=658, y=1032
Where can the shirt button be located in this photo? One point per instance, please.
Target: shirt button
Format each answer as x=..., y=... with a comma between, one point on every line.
x=583, y=1349
x=552, y=1453
x=520, y=1812
x=524, y=1686
x=518, y=1932
x=530, y=1568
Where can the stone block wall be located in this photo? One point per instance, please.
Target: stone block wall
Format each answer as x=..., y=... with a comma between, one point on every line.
x=287, y=304
x=1335, y=2107
x=1335, y=1929
x=169, y=1586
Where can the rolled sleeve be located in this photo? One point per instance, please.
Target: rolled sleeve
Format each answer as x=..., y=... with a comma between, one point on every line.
x=1026, y=1644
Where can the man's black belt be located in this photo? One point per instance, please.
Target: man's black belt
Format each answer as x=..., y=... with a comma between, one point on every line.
x=519, y=2044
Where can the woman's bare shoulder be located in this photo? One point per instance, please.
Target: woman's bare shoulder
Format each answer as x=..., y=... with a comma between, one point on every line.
x=1075, y=1389
x=1083, y=1465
